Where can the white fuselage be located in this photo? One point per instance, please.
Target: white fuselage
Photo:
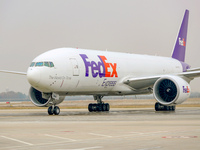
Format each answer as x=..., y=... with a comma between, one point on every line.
x=90, y=72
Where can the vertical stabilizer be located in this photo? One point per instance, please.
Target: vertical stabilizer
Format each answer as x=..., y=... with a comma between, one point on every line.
x=180, y=47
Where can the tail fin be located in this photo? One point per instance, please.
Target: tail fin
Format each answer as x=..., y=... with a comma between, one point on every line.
x=180, y=47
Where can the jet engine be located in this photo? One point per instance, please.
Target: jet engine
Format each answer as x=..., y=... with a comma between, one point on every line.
x=43, y=99
x=171, y=90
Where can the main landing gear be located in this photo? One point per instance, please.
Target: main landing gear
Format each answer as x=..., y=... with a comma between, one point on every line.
x=100, y=106
x=160, y=107
x=53, y=110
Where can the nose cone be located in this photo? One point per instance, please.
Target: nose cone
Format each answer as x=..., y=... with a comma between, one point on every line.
x=33, y=76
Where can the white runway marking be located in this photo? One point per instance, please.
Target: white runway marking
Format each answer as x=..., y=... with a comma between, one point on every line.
x=99, y=135
x=141, y=133
x=86, y=148
x=17, y=140
x=158, y=147
x=137, y=132
x=149, y=132
x=59, y=137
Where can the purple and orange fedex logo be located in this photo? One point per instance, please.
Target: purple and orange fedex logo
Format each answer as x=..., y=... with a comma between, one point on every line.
x=186, y=89
x=181, y=42
x=100, y=68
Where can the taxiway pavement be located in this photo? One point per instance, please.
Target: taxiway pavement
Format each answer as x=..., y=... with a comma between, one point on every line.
x=78, y=129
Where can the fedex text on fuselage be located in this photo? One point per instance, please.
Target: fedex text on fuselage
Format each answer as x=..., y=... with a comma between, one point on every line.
x=100, y=68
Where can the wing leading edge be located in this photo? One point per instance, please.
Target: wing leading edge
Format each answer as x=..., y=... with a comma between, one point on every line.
x=146, y=82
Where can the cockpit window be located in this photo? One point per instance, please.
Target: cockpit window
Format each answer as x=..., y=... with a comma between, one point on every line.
x=39, y=64
x=51, y=64
x=46, y=64
x=32, y=64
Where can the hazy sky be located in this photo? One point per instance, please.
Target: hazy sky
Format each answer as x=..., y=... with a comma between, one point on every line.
x=31, y=27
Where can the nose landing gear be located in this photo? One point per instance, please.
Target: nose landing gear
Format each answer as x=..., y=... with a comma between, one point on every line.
x=53, y=110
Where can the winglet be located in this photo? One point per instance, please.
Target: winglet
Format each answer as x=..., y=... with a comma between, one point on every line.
x=180, y=47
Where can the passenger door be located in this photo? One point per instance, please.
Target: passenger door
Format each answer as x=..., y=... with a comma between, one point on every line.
x=75, y=66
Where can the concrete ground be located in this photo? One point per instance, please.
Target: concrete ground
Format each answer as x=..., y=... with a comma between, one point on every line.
x=121, y=128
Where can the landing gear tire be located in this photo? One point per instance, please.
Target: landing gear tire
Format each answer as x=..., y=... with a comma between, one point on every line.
x=160, y=107
x=94, y=107
x=104, y=108
x=98, y=107
x=167, y=108
x=54, y=110
x=90, y=107
x=50, y=110
x=157, y=105
x=173, y=108
x=107, y=106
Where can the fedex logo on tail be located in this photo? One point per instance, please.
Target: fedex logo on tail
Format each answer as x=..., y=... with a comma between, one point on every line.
x=102, y=68
x=181, y=42
x=186, y=89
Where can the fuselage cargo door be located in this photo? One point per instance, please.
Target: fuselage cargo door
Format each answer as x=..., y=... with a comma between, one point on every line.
x=75, y=67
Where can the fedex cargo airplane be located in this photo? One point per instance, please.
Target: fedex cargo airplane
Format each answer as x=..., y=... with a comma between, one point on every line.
x=69, y=71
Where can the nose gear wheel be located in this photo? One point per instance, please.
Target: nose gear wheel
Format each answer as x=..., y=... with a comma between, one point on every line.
x=54, y=110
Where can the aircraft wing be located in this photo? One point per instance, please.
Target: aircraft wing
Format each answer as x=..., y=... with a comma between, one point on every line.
x=193, y=69
x=141, y=82
x=13, y=72
x=144, y=82
x=191, y=75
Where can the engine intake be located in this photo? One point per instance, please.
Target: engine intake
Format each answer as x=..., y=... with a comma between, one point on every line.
x=171, y=90
x=43, y=100
x=36, y=98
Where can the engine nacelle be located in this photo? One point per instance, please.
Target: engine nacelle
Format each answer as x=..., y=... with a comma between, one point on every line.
x=43, y=100
x=171, y=90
